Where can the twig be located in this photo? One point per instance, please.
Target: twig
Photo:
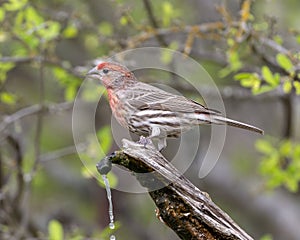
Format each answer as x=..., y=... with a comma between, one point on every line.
x=154, y=23
x=39, y=123
x=19, y=166
x=34, y=109
x=62, y=152
x=17, y=59
x=288, y=122
x=41, y=59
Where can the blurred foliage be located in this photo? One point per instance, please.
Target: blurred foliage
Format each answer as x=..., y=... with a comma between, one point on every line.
x=268, y=81
x=280, y=164
x=55, y=230
x=52, y=43
x=266, y=237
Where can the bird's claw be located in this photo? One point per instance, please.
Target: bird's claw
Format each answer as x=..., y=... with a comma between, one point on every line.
x=144, y=141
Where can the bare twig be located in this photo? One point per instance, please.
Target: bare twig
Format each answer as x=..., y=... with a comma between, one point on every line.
x=17, y=59
x=19, y=166
x=39, y=123
x=41, y=59
x=32, y=110
x=288, y=122
x=154, y=23
x=63, y=152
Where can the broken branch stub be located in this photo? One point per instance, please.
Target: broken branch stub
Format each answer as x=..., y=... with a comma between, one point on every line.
x=181, y=206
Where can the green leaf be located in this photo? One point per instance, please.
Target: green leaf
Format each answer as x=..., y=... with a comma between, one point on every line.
x=297, y=87
x=234, y=61
x=70, y=93
x=2, y=14
x=168, y=11
x=268, y=76
x=266, y=237
x=33, y=19
x=247, y=82
x=70, y=32
x=92, y=91
x=49, y=30
x=287, y=86
x=106, y=29
x=230, y=42
x=105, y=138
x=261, y=26
x=14, y=5
x=166, y=56
x=55, y=230
x=262, y=89
x=8, y=98
x=298, y=39
x=4, y=68
x=284, y=62
x=91, y=42
x=264, y=146
x=278, y=39
x=241, y=76
x=285, y=148
x=123, y=21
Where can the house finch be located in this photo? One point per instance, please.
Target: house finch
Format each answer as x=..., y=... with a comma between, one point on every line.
x=149, y=111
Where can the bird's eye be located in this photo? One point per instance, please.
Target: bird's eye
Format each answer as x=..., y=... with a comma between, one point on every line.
x=105, y=71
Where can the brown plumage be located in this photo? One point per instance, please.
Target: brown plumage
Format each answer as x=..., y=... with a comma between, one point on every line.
x=152, y=112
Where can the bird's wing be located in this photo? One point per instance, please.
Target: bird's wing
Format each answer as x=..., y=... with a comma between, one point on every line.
x=147, y=97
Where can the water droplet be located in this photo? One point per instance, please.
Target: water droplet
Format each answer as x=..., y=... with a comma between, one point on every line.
x=111, y=225
x=112, y=237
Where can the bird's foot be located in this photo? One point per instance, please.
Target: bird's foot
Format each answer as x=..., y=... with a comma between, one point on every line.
x=161, y=144
x=144, y=141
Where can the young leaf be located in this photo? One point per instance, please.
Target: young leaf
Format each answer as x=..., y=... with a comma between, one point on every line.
x=287, y=86
x=262, y=89
x=55, y=230
x=266, y=237
x=14, y=5
x=123, y=21
x=268, y=76
x=2, y=14
x=106, y=29
x=264, y=146
x=243, y=75
x=284, y=62
x=8, y=98
x=70, y=31
x=297, y=87
x=105, y=138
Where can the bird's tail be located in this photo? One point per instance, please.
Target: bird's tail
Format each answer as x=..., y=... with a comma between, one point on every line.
x=223, y=120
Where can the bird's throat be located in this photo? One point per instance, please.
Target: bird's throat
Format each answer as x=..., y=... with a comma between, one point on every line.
x=116, y=107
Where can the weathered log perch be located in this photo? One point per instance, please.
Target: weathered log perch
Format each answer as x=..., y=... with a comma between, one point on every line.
x=180, y=205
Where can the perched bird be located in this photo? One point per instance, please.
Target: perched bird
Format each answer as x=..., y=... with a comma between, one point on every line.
x=151, y=112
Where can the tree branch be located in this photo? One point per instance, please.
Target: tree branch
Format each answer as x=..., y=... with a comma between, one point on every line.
x=181, y=206
x=31, y=110
x=154, y=23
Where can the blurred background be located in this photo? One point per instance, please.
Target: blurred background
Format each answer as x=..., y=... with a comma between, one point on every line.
x=249, y=48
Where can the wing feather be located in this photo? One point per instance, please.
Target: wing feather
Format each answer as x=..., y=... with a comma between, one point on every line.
x=146, y=97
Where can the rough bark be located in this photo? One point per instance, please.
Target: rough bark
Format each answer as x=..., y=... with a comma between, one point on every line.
x=180, y=205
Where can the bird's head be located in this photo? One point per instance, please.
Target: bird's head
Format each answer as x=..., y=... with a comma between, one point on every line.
x=112, y=75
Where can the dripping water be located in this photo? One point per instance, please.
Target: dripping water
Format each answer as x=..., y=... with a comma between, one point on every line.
x=110, y=206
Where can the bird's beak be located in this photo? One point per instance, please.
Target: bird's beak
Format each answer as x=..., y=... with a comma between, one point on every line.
x=93, y=72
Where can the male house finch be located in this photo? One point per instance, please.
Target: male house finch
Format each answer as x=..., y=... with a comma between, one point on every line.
x=149, y=111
